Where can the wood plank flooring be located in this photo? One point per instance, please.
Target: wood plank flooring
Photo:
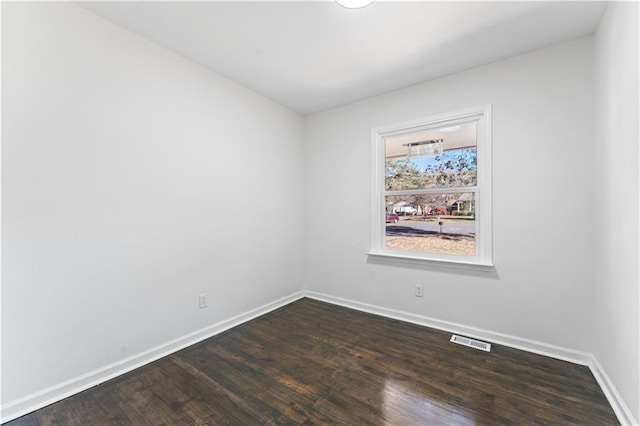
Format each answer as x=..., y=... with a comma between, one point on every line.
x=315, y=363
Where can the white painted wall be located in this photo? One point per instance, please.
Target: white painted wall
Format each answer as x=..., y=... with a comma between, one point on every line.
x=120, y=162
x=617, y=299
x=121, y=159
x=541, y=288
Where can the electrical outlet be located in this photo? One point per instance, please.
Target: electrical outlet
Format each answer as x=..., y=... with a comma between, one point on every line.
x=419, y=290
x=204, y=300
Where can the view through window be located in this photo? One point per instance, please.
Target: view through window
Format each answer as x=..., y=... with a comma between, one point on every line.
x=432, y=188
x=432, y=175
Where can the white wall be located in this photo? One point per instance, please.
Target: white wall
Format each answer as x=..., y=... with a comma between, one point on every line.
x=617, y=303
x=541, y=288
x=133, y=181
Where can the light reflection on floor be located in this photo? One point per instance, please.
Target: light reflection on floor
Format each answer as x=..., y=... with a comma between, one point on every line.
x=402, y=405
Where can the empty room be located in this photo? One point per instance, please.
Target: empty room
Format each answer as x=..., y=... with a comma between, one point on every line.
x=320, y=212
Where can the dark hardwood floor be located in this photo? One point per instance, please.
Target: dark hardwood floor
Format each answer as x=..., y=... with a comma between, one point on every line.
x=314, y=363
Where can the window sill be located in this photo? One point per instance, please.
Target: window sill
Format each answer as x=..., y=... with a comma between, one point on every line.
x=474, y=265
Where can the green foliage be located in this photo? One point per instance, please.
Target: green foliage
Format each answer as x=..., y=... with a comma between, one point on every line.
x=402, y=174
x=457, y=168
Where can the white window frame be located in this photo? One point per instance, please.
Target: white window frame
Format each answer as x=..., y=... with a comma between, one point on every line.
x=483, y=198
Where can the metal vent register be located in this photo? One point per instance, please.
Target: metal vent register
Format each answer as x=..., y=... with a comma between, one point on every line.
x=476, y=344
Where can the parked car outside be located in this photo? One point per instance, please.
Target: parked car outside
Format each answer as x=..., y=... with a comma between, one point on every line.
x=407, y=210
x=392, y=217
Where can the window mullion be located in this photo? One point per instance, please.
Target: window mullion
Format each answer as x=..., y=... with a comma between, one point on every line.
x=457, y=190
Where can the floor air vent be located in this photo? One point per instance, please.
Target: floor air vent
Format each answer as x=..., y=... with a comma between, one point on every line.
x=483, y=346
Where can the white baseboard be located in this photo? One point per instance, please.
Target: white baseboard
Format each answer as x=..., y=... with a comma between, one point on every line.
x=528, y=345
x=37, y=400
x=577, y=357
x=617, y=403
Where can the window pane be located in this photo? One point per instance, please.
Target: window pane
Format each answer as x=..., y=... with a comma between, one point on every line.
x=431, y=223
x=436, y=158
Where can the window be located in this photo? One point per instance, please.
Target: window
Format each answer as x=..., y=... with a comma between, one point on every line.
x=431, y=196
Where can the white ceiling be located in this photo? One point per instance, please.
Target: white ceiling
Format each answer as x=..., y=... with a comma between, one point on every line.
x=311, y=56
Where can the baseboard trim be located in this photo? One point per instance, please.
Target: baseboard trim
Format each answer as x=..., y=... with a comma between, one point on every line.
x=617, y=403
x=558, y=352
x=565, y=354
x=40, y=399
